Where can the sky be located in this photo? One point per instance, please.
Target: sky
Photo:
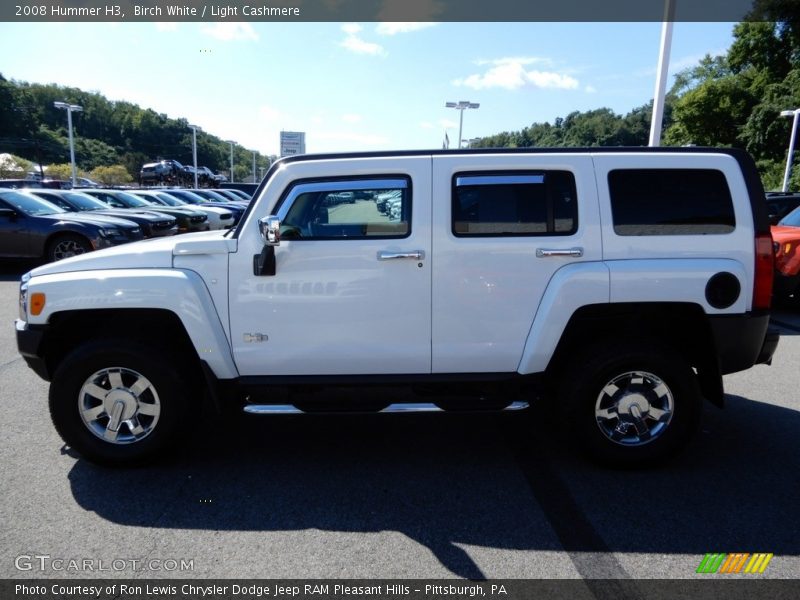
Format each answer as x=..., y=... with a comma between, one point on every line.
x=357, y=86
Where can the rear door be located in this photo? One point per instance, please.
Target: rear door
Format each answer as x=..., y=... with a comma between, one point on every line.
x=503, y=225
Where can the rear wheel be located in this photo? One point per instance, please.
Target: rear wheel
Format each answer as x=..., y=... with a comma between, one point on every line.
x=118, y=402
x=632, y=404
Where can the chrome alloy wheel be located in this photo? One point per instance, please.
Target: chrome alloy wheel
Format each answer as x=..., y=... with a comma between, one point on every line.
x=634, y=408
x=67, y=248
x=118, y=405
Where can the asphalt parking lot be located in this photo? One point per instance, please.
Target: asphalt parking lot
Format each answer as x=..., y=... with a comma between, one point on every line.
x=408, y=496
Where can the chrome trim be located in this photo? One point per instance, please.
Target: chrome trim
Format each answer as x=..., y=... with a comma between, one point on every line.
x=270, y=229
x=416, y=255
x=498, y=179
x=547, y=252
x=399, y=408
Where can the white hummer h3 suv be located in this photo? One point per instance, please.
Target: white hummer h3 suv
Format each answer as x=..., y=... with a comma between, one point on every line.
x=621, y=283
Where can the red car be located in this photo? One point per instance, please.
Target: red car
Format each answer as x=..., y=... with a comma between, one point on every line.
x=786, y=238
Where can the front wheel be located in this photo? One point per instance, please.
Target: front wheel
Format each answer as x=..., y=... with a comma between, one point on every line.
x=631, y=405
x=117, y=402
x=65, y=246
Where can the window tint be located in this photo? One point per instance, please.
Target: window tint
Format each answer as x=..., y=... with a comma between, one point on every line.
x=670, y=202
x=369, y=208
x=503, y=204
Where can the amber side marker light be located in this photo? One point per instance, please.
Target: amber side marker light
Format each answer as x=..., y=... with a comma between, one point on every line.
x=37, y=303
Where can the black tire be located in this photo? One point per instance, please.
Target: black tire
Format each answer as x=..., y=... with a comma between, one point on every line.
x=620, y=428
x=66, y=245
x=159, y=410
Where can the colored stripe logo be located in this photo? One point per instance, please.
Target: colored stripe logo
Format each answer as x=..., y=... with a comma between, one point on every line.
x=739, y=562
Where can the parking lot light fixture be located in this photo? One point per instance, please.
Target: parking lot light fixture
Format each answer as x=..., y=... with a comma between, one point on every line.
x=795, y=114
x=461, y=106
x=231, y=142
x=70, y=108
x=195, y=129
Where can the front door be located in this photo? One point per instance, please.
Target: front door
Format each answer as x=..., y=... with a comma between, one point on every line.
x=352, y=288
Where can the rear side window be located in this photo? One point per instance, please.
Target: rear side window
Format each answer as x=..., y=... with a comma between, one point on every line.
x=514, y=204
x=670, y=202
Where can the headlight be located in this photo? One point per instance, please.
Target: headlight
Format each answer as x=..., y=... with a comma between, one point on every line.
x=23, y=300
x=109, y=232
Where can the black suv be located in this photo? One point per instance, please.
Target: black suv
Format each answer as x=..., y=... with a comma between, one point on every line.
x=162, y=172
x=780, y=204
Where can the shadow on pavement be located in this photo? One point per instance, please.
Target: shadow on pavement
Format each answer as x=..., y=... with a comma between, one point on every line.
x=488, y=481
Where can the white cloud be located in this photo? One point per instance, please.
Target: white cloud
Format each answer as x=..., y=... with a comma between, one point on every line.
x=355, y=44
x=447, y=124
x=166, y=26
x=393, y=28
x=590, y=89
x=228, y=32
x=427, y=125
x=351, y=28
x=351, y=118
x=511, y=74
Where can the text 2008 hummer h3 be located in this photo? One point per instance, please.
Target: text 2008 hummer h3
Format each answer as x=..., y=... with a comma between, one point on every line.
x=624, y=283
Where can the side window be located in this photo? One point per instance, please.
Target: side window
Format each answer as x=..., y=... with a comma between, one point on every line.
x=514, y=203
x=670, y=202
x=351, y=209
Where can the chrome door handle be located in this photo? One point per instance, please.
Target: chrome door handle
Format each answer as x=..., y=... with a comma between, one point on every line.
x=574, y=252
x=416, y=255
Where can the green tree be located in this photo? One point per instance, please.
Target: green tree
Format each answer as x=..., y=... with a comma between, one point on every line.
x=111, y=175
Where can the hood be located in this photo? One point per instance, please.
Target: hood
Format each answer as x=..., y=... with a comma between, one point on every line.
x=94, y=219
x=155, y=253
x=785, y=233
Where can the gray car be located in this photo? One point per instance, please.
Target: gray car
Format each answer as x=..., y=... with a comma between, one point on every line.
x=31, y=227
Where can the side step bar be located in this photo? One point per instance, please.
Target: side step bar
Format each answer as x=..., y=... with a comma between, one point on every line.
x=422, y=407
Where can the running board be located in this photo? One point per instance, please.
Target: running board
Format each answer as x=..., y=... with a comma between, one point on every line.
x=289, y=409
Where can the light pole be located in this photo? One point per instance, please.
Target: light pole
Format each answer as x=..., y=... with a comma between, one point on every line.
x=195, y=129
x=70, y=108
x=796, y=116
x=231, y=142
x=254, y=166
x=461, y=106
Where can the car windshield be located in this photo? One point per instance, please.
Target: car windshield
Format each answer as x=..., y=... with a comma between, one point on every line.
x=792, y=219
x=169, y=199
x=84, y=201
x=213, y=196
x=188, y=196
x=132, y=201
x=31, y=205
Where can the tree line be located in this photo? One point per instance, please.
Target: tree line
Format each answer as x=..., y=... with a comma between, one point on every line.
x=106, y=133
x=734, y=100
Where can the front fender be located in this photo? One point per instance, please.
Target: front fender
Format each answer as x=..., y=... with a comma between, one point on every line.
x=181, y=292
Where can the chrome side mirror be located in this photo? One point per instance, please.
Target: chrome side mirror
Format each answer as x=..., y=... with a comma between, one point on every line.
x=270, y=228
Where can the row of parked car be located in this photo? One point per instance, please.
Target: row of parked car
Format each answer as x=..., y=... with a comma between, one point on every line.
x=55, y=224
x=172, y=172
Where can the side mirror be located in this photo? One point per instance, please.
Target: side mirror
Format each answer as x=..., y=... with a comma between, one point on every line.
x=270, y=228
x=7, y=212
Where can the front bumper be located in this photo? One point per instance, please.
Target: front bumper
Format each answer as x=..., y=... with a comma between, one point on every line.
x=29, y=345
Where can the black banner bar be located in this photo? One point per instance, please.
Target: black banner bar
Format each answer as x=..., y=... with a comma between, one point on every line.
x=711, y=587
x=384, y=10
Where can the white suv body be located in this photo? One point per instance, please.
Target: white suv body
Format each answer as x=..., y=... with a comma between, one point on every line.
x=497, y=269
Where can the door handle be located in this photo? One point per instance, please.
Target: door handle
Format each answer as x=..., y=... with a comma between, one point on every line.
x=415, y=255
x=545, y=252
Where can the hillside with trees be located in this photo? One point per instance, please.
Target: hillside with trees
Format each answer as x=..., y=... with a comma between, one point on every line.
x=107, y=133
x=733, y=100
